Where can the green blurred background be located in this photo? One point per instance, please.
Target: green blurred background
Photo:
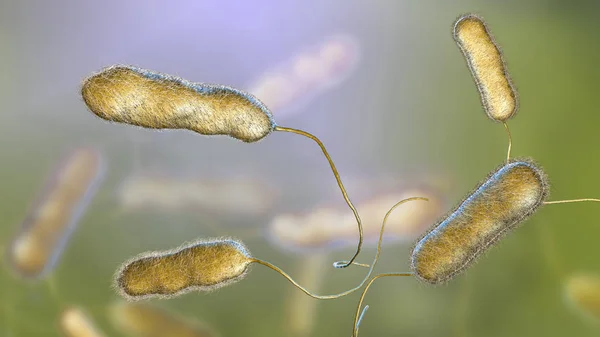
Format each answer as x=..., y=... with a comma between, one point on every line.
x=409, y=109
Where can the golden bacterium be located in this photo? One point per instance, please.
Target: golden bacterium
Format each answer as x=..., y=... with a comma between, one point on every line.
x=49, y=224
x=487, y=66
x=203, y=265
x=153, y=100
x=144, y=320
x=75, y=323
x=505, y=199
x=582, y=292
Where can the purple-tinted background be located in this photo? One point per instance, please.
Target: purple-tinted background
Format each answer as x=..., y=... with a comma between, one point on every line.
x=408, y=111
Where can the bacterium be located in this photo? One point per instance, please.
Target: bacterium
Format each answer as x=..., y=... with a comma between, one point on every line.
x=74, y=322
x=146, y=320
x=505, y=199
x=487, y=66
x=46, y=229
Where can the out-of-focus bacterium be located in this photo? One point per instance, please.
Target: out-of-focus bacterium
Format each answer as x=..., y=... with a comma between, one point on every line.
x=168, y=192
x=145, y=320
x=582, y=292
x=286, y=88
x=45, y=231
x=326, y=229
x=204, y=266
x=149, y=99
x=301, y=311
x=74, y=322
x=505, y=199
x=484, y=58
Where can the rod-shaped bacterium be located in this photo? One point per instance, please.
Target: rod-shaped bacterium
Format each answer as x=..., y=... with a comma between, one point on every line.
x=202, y=265
x=505, y=199
x=326, y=228
x=582, y=291
x=153, y=100
x=289, y=87
x=146, y=320
x=45, y=231
x=487, y=66
x=164, y=191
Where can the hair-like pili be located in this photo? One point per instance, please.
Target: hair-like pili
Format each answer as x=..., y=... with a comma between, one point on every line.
x=505, y=199
x=498, y=95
